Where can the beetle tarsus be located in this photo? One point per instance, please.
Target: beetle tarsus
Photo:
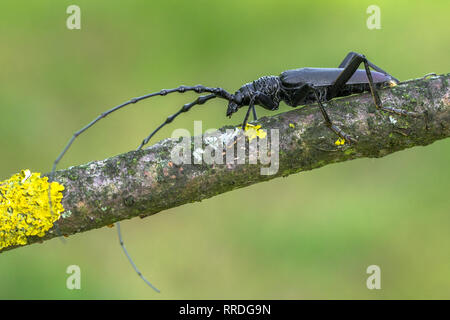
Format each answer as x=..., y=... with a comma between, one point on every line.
x=399, y=112
x=342, y=134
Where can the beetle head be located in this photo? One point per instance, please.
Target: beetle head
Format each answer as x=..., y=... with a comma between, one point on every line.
x=234, y=104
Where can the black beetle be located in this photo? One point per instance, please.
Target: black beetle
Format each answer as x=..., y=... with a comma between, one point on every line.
x=294, y=87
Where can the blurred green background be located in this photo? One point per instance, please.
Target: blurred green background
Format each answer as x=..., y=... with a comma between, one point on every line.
x=307, y=236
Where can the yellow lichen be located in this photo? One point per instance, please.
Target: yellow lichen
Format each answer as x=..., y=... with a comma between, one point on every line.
x=25, y=209
x=252, y=131
x=392, y=83
x=340, y=142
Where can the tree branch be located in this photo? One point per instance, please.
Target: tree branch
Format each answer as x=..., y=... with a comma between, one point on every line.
x=142, y=183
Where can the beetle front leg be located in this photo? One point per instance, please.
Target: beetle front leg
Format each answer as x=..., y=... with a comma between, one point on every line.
x=264, y=102
x=251, y=106
x=255, y=117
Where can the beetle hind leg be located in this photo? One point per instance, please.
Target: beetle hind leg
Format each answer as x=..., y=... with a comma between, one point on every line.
x=350, y=64
x=351, y=55
x=377, y=99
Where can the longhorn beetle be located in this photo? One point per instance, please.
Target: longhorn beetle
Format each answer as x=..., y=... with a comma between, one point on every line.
x=294, y=87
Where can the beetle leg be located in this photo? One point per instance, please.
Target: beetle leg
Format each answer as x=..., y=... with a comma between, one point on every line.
x=328, y=122
x=352, y=54
x=377, y=99
x=255, y=117
x=251, y=106
x=352, y=62
x=347, y=59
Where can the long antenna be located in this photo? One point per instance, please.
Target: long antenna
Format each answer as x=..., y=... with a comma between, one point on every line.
x=119, y=233
x=215, y=92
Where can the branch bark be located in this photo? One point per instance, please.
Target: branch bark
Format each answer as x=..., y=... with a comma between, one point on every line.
x=142, y=183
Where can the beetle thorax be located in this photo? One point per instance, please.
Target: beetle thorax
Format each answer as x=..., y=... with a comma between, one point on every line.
x=267, y=85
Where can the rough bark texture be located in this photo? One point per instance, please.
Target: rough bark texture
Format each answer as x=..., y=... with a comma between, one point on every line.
x=142, y=183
